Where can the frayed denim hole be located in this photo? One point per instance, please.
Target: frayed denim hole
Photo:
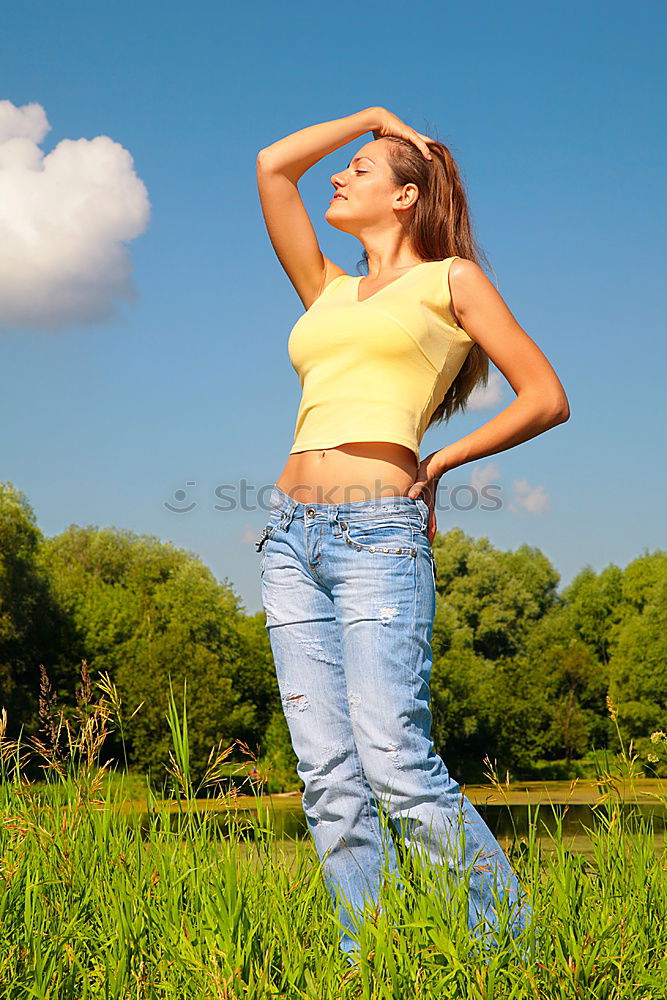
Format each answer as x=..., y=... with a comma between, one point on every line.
x=318, y=650
x=354, y=701
x=332, y=754
x=294, y=703
x=394, y=752
x=387, y=614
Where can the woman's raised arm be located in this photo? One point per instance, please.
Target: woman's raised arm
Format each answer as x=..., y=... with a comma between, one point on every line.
x=279, y=167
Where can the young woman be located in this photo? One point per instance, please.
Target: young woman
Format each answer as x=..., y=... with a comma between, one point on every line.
x=347, y=573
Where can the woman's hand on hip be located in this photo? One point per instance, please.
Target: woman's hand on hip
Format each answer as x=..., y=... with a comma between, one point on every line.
x=425, y=486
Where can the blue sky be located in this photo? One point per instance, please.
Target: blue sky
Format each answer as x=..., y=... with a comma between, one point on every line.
x=554, y=116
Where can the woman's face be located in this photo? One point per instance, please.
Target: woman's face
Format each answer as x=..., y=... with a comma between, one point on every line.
x=369, y=196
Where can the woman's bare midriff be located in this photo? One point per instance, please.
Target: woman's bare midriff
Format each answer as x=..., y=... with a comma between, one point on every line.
x=348, y=473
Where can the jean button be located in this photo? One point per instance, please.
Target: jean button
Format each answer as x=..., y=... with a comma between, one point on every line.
x=310, y=512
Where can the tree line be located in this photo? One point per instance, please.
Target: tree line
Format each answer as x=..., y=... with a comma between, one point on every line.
x=522, y=673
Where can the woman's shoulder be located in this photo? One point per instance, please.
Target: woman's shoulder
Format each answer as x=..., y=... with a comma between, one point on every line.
x=453, y=275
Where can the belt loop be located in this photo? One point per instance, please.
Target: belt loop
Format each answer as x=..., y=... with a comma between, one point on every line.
x=423, y=517
x=288, y=515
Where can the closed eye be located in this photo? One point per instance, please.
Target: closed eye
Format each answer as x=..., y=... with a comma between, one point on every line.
x=361, y=171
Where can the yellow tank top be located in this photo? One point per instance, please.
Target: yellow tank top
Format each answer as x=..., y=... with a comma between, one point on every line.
x=376, y=370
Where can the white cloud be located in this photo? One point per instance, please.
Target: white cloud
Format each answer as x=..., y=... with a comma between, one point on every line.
x=64, y=221
x=249, y=535
x=482, y=397
x=483, y=475
x=529, y=498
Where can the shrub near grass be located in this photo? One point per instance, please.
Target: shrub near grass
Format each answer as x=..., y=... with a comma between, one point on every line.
x=100, y=901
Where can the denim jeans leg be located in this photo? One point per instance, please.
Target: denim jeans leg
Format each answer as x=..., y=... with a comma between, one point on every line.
x=384, y=597
x=337, y=800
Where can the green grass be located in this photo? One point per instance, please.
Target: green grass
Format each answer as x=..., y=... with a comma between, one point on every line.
x=96, y=903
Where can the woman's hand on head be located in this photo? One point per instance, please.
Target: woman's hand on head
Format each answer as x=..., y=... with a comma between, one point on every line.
x=388, y=124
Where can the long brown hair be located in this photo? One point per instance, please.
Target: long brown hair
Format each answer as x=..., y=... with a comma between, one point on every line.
x=440, y=227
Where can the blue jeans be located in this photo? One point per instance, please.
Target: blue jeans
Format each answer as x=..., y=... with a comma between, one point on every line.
x=349, y=595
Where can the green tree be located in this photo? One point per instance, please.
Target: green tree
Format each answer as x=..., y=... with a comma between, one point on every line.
x=279, y=757
x=595, y=602
x=574, y=682
x=638, y=665
x=495, y=596
x=146, y=611
x=487, y=698
x=33, y=628
x=462, y=686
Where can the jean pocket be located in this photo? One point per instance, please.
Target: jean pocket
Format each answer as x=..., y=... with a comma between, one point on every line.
x=393, y=537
